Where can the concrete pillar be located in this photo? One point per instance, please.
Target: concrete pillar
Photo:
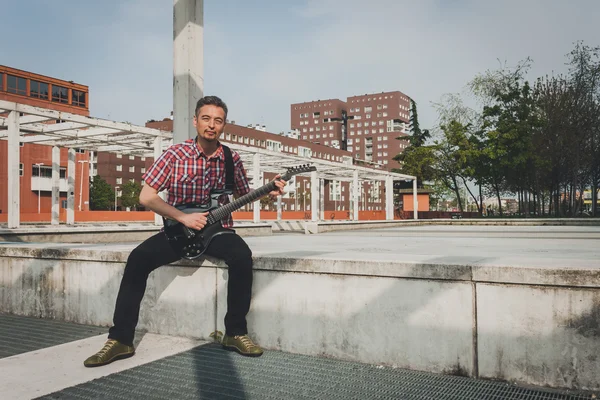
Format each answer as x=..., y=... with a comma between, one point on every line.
x=55, y=185
x=322, y=215
x=279, y=208
x=14, y=181
x=158, y=220
x=355, y=195
x=188, y=65
x=389, y=198
x=71, y=187
x=314, y=196
x=415, y=200
x=257, y=182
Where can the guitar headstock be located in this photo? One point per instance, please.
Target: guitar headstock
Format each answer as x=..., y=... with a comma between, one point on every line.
x=300, y=169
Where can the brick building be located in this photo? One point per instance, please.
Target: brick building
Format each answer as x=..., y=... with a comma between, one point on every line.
x=366, y=126
x=297, y=198
x=35, y=168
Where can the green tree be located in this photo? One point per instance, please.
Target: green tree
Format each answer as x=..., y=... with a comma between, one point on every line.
x=409, y=159
x=130, y=196
x=101, y=194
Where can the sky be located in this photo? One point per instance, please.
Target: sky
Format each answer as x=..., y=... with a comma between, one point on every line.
x=261, y=56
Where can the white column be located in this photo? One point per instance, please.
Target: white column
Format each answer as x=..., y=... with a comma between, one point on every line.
x=389, y=198
x=314, y=196
x=355, y=196
x=158, y=220
x=322, y=215
x=71, y=187
x=256, y=182
x=279, y=208
x=55, y=185
x=415, y=200
x=188, y=65
x=14, y=182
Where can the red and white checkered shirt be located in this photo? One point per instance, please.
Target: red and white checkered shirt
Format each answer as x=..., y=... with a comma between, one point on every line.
x=188, y=176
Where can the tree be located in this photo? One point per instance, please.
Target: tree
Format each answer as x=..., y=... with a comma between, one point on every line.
x=130, y=197
x=409, y=159
x=101, y=194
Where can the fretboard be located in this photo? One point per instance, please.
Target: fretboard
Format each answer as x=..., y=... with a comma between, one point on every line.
x=223, y=211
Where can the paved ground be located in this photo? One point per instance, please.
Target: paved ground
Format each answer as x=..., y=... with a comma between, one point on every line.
x=175, y=368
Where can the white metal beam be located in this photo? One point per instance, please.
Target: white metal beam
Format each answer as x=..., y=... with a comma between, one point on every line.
x=14, y=185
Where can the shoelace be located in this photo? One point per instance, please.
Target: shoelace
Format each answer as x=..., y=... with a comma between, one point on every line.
x=246, y=341
x=109, y=344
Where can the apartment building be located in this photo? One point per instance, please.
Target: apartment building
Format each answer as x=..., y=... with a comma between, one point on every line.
x=297, y=198
x=366, y=126
x=35, y=167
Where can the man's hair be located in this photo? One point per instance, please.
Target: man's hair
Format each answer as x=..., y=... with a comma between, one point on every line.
x=210, y=101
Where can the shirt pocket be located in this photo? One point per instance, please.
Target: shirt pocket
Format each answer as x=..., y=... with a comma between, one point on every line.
x=187, y=179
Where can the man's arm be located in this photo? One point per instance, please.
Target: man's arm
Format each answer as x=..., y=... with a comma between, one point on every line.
x=149, y=198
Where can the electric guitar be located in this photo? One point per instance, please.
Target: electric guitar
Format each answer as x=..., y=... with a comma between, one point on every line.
x=193, y=243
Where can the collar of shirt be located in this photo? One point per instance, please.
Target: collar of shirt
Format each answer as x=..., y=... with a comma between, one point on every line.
x=200, y=153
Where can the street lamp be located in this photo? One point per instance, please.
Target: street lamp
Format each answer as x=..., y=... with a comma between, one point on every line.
x=81, y=183
x=116, y=191
x=39, y=182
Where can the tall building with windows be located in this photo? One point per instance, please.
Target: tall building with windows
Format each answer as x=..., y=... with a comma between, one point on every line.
x=366, y=126
x=35, y=166
x=43, y=91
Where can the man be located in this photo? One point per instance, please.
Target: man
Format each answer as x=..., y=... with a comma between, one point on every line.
x=188, y=171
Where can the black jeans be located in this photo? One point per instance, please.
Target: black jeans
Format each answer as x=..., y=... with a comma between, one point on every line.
x=157, y=251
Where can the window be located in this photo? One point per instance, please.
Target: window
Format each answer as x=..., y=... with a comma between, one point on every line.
x=368, y=109
x=1, y=81
x=119, y=155
x=16, y=85
x=119, y=168
x=60, y=94
x=78, y=98
x=132, y=180
x=38, y=90
x=119, y=181
x=142, y=158
x=132, y=169
x=132, y=157
x=143, y=170
x=20, y=169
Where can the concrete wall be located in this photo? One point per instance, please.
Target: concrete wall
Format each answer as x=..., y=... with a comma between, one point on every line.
x=534, y=326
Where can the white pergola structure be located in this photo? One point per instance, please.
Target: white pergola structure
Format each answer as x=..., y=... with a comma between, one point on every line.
x=27, y=124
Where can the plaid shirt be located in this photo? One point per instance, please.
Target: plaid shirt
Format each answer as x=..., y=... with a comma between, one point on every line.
x=188, y=175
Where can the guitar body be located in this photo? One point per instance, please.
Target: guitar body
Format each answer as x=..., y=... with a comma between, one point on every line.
x=193, y=243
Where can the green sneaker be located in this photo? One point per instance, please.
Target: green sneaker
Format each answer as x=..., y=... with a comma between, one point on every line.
x=112, y=351
x=242, y=344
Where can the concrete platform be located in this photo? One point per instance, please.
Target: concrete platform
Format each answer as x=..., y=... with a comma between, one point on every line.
x=105, y=233
x=519, y=304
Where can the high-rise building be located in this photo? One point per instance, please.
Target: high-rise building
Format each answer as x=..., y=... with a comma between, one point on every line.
x=366, y=126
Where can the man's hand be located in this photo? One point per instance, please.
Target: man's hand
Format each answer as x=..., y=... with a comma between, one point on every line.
x=195, y=221
x=280, y=185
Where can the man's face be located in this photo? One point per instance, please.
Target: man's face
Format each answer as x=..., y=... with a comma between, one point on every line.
x=210, y=122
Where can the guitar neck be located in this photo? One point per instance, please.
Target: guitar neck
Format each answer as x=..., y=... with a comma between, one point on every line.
x=223, y=211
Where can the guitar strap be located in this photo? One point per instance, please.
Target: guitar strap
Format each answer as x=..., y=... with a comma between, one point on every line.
x=228, y=168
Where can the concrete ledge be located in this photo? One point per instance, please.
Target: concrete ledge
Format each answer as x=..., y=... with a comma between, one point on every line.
x=535, y=325
x=117, y=233
x=312, y=227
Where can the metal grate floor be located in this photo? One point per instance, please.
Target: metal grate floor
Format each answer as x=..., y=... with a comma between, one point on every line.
x=20, y=334
x=209, y=372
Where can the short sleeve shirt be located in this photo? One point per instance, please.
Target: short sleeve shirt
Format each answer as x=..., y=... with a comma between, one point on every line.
x=188, y=175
